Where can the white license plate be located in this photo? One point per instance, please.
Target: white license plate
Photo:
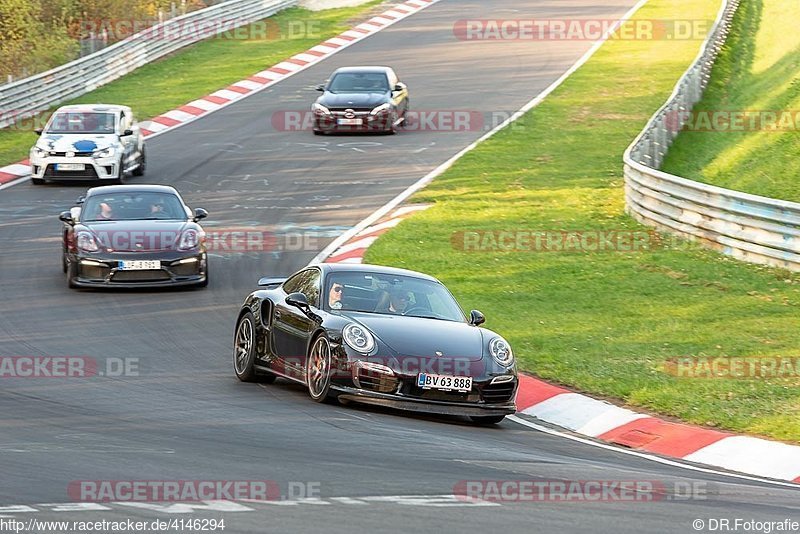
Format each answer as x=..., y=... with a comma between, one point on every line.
x=350, y=122
x=445, y=382
x=139, y=265
x=70, y=167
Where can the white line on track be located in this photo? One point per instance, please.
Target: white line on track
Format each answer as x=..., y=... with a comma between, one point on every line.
x=644, y=455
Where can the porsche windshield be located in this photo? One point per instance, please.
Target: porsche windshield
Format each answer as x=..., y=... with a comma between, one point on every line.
x=84, y=122
x=390, y=295
x=133, y=207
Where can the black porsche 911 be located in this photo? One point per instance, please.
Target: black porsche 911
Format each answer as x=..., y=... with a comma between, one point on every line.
x=375, y=335
x=361, y=99
x=133, y=236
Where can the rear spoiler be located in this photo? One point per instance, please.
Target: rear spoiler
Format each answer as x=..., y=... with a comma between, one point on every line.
x=270, y=281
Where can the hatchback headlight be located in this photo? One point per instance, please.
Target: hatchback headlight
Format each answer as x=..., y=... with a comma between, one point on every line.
x=381, y=110
x=87, y=242
x=501, y=351
x=319, y=109
x=104, y=153
x=38, y=152
x=358, y=338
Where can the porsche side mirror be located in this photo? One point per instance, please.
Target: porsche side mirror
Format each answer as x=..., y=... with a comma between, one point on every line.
x=38, y=131
x=297, y=300
x=200, y=213
x=476, y=318
x=321, y=88
x=66, y=217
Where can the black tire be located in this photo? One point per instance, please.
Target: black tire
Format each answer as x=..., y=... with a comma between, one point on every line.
x=37, y=181
x=140, y=170
x=318, y=132
x=487, y=419
x=319, y=386
x=244, y=348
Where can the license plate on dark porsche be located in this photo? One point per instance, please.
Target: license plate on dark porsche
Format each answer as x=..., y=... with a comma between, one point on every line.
x=444, y=382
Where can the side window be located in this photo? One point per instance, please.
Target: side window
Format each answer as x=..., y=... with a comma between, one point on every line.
x=292, y=284
x=306, y=282
x=310, y=286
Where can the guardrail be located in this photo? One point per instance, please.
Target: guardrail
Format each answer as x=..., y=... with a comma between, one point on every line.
x=748, y=227
x=38, y=93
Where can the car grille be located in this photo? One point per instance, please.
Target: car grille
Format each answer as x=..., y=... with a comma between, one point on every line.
x=185, y=269
x=375, y=381
x=357, y=111
x=437, y=395
x=87, y=174
x=94, y=272
x=76, y=154
x=139, y=276
x=498, y=393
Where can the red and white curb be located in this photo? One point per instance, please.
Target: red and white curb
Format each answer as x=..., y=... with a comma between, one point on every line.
x=604, y=421
x=352, y=251
x=257, y=82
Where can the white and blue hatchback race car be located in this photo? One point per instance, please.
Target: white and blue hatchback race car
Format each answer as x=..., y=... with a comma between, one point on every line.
x=89, y=142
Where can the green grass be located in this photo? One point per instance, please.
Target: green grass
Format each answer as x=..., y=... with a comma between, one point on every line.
x=605, y=322
x=203, y=68
x=758, y=70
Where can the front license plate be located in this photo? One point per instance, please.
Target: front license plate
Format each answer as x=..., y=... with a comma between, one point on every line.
x=70, y=167
x=350, y=122
x=444, y=382
x=139, y=265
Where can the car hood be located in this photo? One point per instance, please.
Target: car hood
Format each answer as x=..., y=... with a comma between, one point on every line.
x=354, y=100
x=138, y=236
x=420, y=338
x=76, y=142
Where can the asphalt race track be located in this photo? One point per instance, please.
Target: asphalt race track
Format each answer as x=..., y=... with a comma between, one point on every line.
x=186, y=417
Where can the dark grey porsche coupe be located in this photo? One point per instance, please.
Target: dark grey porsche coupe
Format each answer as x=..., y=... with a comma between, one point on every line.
x=375, y=335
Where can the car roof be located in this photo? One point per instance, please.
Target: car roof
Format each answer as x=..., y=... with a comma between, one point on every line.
x=366, y=267
x=368, y=68
x=85, y=108
x=137, y=188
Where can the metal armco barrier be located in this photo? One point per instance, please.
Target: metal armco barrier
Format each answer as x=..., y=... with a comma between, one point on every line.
x=40, y=92
x=748, y=227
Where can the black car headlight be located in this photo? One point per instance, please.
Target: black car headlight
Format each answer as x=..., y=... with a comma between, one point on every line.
x=87, y=242
x=358, y=338
x=501, y=351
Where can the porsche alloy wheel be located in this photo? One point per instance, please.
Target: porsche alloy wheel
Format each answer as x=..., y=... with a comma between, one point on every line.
x=318, y=369
x=244, y=348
